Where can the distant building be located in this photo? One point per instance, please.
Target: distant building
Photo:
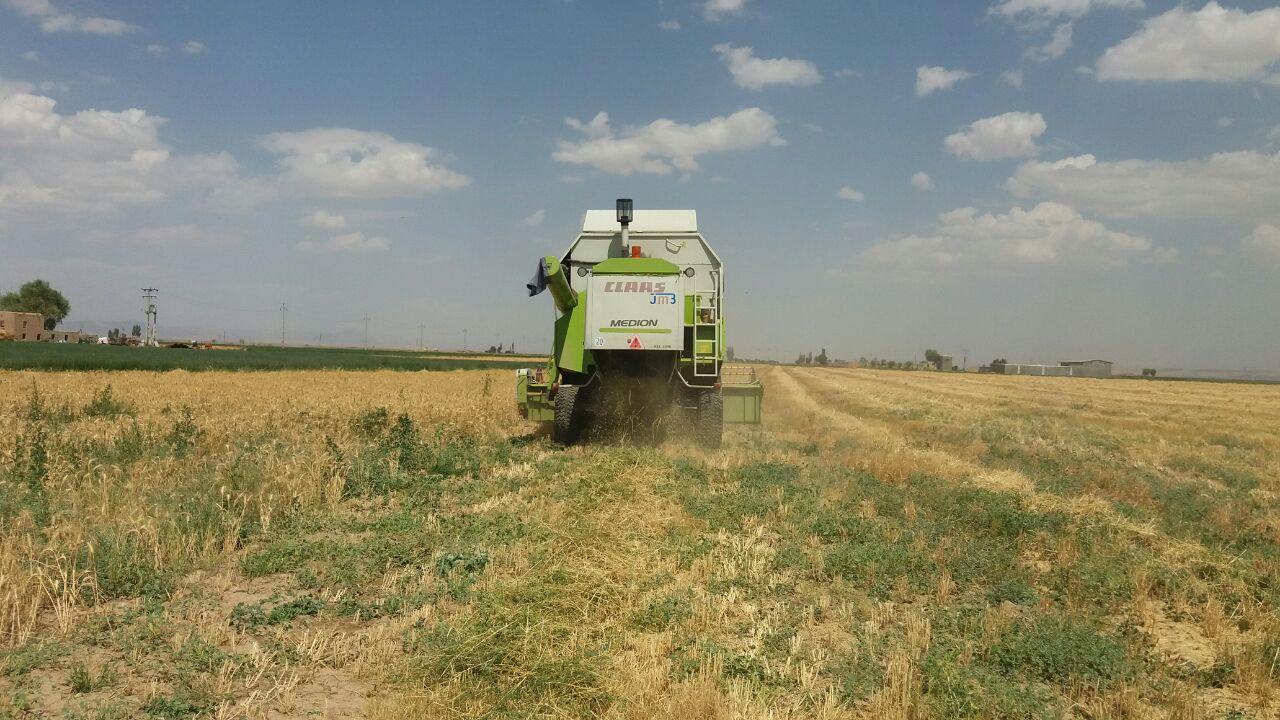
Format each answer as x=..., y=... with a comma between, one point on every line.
x=1075, y=368
x=30, y=327
x=21, y=326
x=66, y=336
x=1089, y=368
x=944, y=363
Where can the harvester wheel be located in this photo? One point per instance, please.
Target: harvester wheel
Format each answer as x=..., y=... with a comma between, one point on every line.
x=710, y=419
x=570, y=409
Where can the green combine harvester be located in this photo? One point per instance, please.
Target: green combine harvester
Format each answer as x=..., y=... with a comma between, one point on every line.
x=639, y=329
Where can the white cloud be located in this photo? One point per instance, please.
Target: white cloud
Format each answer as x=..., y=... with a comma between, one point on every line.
x=1041, y=10
x=848, y=193
x=1012, y=134
x=1036, y=16
x=1012, y=78
x=54, y=20
x=535, y=218
x=1273, y=136
x=1234, y=185
x=720, y=9
x=355, y=242
x=157, y=49
x=1226, y=122
x=847, y=73
x=932, y=79
x=1047, y=235
x=96, y=160
x=31, y=56
x=664, y=145
x=1212, y=44
x=185, y=235
x=14, y=87
x=341, y=162
x=922, y=181
x=1264, y=242
x=323, y=220
x=596, y=128
x=755, y=73
x=1057, y=46
x=194, y=47
x=669, y=25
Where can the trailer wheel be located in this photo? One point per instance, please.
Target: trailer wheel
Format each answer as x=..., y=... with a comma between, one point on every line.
x=570, y=410
x=710, y=428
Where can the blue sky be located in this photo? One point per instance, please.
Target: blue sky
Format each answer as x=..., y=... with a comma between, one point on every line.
x=1035, y=179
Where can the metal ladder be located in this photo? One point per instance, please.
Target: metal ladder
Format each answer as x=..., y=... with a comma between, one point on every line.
x=706, y=364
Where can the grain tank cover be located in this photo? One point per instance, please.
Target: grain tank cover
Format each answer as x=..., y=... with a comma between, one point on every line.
x=645, y=221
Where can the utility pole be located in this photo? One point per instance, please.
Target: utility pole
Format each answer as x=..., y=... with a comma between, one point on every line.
x=366, y=332
x=283, y=310
x=464, y=340
x=964, y=362
x=421, y=327
x=149, y=295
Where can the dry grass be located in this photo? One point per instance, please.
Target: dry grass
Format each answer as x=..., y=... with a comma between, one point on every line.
x=901, y=545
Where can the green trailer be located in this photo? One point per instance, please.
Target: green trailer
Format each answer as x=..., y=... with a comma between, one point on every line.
x=639, y=298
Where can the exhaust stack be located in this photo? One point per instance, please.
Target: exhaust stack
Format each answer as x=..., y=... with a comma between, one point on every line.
x=624, y=219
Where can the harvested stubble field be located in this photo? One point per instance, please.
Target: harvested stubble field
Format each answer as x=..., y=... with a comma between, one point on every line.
x=400, y=545
x=63, y=357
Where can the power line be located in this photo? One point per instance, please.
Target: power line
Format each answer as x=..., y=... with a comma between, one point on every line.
x=149, y=295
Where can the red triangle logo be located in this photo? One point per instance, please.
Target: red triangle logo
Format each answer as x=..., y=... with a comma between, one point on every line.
x=634, y=343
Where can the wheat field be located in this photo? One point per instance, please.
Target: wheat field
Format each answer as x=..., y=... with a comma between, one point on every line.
x=326, y=544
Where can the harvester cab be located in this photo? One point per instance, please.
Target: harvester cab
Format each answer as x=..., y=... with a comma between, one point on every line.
x=639, y=327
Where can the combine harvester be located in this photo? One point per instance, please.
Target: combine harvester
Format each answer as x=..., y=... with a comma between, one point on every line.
x=639, y=329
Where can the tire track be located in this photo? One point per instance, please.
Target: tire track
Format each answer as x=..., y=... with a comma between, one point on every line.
x=884, y=440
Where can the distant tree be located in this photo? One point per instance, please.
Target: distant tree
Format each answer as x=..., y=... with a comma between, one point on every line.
x=729, y=354
x=932, y=356
x=137, y=331
x=492, y=349
x=800, y=360
x=822, y=357
x=862, y=361
x=999, y=361
x=1148, y=372
x=808, y=359
x=38, y=296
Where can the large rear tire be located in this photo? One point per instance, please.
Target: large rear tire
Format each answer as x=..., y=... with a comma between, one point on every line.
x=710, y=430
x=570, y=414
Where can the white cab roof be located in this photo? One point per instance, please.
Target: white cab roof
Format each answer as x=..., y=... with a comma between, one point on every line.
x=645, y=221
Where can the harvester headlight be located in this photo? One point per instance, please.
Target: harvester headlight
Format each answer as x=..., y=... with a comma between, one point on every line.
x=582, y=271
x=688, y=272
x=624, y=211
